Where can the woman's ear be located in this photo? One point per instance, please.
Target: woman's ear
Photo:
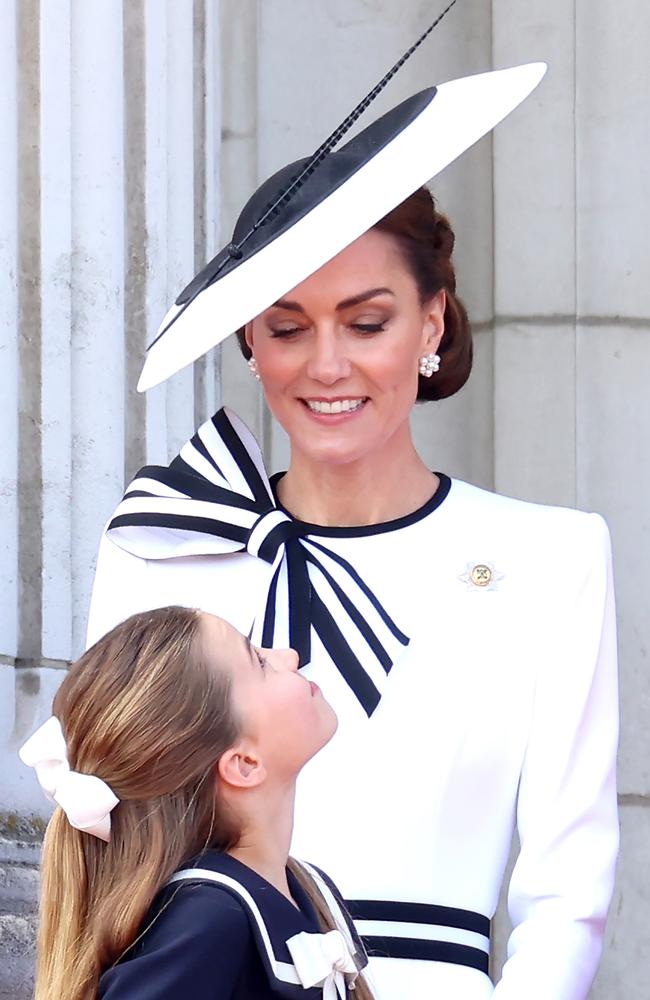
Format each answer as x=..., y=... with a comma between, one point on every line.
x=248, y=335
x=241, y=767
x=434, y=322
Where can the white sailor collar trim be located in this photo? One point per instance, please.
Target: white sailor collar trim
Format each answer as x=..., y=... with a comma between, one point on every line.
x=216, y=498
x=300, y=960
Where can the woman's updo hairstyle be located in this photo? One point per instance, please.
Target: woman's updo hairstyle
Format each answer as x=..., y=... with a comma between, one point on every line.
x=426, y=241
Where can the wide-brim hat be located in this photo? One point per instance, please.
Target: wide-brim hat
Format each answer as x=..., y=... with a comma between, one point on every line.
x=311, y=210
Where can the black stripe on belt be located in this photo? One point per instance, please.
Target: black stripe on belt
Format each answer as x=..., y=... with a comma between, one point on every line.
x=423, y=949
x=418, y=913
x=428, y=951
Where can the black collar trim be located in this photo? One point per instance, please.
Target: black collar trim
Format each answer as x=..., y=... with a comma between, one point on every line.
x=363, y=530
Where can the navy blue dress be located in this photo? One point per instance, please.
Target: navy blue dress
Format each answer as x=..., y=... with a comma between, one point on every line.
x=221, y=940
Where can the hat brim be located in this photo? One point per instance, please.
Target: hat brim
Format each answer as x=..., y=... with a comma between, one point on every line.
x=460, y=113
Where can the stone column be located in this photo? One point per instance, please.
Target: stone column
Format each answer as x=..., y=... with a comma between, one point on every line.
x=109, y=201
x=613, y=414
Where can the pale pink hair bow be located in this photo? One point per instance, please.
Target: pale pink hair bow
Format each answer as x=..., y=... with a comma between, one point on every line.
x=86, y=800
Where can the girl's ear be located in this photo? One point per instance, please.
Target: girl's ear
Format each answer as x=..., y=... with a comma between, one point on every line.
x=434, y=321
x=241, y=767
x=248, y=335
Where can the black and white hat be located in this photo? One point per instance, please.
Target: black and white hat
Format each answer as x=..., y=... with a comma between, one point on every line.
x=311, y=210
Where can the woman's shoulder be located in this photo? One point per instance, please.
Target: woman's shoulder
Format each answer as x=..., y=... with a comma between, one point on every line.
x=510, y=518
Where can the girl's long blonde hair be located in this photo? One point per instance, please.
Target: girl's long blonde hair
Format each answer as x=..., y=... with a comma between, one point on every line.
x=143, y=710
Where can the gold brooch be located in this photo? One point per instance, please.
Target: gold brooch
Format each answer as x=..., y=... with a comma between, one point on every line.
x=481, y=576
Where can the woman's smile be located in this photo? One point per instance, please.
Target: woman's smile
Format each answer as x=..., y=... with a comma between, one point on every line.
x=335, y=410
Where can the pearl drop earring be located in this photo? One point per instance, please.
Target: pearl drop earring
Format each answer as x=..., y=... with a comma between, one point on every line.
x=252, y=367
x=429, y=364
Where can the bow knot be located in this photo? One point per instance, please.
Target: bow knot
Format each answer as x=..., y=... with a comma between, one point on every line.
x=215, y=498
x=86, y=800
x=323, y=960
x=336, y=952
x=271, y=531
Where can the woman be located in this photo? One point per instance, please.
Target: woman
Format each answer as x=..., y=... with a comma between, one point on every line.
x=165, y=870
x=465, y=639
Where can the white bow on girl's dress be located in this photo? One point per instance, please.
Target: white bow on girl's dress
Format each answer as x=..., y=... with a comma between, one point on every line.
x=323, y=960
x=86, y=800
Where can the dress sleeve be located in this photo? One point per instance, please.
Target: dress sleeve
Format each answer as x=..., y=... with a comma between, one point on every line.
x=563, y=879
x=119, y=589
x=197, y=947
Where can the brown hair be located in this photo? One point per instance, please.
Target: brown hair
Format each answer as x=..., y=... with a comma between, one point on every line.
x=143, y=710
x=327, y=923
x=426, y=241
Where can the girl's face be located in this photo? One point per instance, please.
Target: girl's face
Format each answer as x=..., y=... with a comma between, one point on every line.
x=338, y=355
x=283, y=716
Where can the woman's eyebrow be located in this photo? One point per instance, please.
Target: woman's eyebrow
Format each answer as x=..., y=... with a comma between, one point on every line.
x=354, y=300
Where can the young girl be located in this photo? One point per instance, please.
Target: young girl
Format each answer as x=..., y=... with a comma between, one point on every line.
x=173, y=753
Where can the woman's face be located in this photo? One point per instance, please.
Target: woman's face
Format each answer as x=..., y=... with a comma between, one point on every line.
x=338, y=355
x=283, y=716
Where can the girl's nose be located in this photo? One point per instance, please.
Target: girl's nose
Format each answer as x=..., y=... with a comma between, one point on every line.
x=288, y=659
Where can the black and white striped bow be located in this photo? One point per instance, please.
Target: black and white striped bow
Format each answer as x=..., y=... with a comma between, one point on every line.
x=215, y=498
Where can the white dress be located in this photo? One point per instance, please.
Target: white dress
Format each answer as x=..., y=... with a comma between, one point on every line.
x=500, y=711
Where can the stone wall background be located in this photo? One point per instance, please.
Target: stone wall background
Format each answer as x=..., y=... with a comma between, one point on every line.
x=132, y=132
